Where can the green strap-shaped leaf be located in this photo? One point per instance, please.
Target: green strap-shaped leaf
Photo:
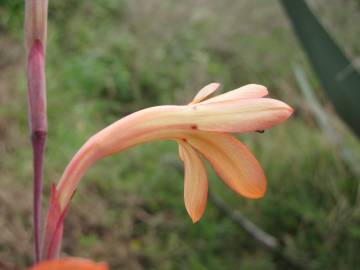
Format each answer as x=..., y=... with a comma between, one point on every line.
x=336, y=73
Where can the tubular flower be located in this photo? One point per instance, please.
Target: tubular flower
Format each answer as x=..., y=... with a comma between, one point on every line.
x=70, y=264
x=201, y=128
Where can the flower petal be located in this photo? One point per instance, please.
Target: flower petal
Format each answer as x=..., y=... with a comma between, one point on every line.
x=232, y=161
x=240, y=116
x=246, y=91
x=205, y=92
x=70, y=264
x=195, y=183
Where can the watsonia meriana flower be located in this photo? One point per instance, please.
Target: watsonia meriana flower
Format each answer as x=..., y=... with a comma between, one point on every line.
x=70, y=264
x=201, y=129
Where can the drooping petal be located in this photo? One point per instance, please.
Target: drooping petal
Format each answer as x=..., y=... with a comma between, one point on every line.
x=195, y=182
x=205, y=92
x=246, y=91
x=70, y=264
x=232, y=161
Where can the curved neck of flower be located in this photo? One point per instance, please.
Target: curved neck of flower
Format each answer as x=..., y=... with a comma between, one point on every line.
x=77, y=167
x=140, y=127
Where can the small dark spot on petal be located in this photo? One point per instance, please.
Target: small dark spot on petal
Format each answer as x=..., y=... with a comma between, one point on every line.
x=193, y=126
x=260, y=131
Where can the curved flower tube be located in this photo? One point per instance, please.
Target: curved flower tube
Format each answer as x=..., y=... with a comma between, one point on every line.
x=201, y=129
x=70, y=264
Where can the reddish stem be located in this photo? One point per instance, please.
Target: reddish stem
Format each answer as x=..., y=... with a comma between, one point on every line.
x=38, y=130
x=38, y=139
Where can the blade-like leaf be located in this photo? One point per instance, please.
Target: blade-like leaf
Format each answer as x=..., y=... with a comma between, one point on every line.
x=336, y=73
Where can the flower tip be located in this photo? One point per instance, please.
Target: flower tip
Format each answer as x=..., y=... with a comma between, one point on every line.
x=289, y=110
x=283, y=109
x=257, y=192
x=205, y=92
x=215, y=84
x=262, y=188
x=255, y=196
x=195, y=217
x=258, y=87
x=255, y=90
x=260, y=194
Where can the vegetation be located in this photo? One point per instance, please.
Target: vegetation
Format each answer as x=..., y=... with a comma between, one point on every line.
x=337, y=74
x=108, y=58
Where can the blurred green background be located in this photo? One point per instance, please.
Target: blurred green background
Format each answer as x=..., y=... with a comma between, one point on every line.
x=108, y=58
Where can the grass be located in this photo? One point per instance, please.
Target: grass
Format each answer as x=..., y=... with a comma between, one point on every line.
x=108, y=58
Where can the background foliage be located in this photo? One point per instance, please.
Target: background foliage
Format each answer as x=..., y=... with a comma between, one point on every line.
x=109, y=58
x=339, y=77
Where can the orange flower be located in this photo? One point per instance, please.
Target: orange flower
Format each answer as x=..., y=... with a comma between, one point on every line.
x=70, y=264
x=201, y=128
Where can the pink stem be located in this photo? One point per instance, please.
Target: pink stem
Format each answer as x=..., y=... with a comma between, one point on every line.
x=38, y=130
x=38, y=143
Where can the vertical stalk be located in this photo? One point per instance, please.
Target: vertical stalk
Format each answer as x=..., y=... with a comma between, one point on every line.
x=35, y=26
x=38, y=139
x=38, y=131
